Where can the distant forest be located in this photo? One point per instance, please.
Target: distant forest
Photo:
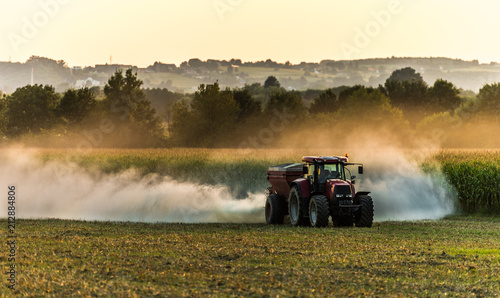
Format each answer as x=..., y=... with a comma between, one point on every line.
x=404, y=110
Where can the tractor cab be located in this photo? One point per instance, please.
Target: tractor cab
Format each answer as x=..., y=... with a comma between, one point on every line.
x=321, y=169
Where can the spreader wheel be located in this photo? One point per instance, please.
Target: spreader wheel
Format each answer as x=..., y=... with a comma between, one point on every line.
x=275, y=210
x=297, y=208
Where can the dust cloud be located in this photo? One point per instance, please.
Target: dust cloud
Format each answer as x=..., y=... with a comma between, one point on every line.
x=400, y=189
x=65, y=191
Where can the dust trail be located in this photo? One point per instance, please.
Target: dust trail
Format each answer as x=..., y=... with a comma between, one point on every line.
x=400, y=189
x=65, y=191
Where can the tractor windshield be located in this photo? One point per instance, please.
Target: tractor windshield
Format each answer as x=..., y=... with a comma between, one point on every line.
x=331, y=171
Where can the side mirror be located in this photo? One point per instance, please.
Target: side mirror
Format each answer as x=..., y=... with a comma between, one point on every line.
x=353, y=182
x=353, y=177
x=305, y=170
x=360, y=170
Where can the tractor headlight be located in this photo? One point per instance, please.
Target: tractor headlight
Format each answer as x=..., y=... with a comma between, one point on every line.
x=348, y=196
x=339, y=195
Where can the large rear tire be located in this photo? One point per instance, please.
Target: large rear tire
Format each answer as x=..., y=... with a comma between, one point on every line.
x=364, y=218
x=275, y=210
x=297, y=208
x=319, y=211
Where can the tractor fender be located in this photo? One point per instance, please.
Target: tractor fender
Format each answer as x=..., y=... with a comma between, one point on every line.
x=304, y=187
x=362, y=193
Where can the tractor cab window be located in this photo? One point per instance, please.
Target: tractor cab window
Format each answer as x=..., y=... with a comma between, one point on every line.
x=311, y=171
x=330, y=171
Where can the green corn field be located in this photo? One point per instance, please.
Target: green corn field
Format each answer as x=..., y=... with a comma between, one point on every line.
x=475, y=177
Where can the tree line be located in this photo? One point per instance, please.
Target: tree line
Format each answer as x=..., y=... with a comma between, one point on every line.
x=215, y=116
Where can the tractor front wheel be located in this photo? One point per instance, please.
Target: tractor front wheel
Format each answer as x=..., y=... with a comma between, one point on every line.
x=275, y=210
x=364, y=218
x=319, y=211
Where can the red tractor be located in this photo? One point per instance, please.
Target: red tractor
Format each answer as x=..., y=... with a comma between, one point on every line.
x=312, y=191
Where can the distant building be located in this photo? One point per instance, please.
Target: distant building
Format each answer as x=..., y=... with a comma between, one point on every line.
x=112, y=68
x=89, y=82
x=162, y=67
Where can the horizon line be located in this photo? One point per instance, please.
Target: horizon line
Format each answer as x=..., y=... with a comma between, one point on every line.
x=249, y=61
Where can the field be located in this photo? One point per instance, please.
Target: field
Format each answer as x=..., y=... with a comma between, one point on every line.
x=454, y=256
x=255, y=74
x=181, y=82
x=457, y=256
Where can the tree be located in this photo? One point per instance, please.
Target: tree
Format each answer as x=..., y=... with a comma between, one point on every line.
x=76, y=105
x=183, y=124
x=408, y=91
x=376, y=110
x=49, y=71
x=247, y=105
x=347, y=92
x=406, y=88
x=128, y=105
x=272, y=81
x=195, y=63
x=489, y=98
x=407, y=94
x=405, y=74
x=3, y=112
x=444, y=96
x=289, y=101
x=216, y=110
x=31, y=109
x=326, y=102
x=162, y=99
x=367, y=100
x=255, y=88
x=211, y=118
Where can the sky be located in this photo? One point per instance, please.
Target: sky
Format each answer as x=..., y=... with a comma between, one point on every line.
x=85, y=33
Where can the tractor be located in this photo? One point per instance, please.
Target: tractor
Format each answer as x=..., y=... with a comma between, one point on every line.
x=313, y=191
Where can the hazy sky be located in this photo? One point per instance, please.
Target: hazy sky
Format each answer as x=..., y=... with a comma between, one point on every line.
x=142, y=32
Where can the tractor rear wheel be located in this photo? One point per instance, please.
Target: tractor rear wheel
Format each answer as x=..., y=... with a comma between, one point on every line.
x=297, y=208
x=275, y=210
x=364, y=218
x=319, y=211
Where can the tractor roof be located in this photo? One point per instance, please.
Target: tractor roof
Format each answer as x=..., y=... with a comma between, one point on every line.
x=324, y=159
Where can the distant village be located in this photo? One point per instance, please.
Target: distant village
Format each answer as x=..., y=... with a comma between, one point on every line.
x=468, y=75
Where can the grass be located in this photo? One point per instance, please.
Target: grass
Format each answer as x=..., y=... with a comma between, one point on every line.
x=457, y=256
